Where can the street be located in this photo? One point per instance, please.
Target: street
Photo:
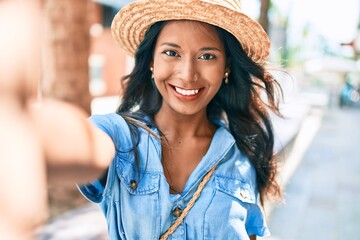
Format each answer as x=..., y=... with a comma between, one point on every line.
x=322, y=196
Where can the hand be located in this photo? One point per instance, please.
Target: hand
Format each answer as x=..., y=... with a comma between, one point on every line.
x=22, y=167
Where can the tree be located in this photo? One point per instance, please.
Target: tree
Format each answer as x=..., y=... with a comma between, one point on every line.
x=66, y=51
x=263, y=18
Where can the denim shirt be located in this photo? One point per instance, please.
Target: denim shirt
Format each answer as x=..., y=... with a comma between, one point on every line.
x=226, y=209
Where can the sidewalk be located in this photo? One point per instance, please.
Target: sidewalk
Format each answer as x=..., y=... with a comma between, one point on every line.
x=322, y=197
x=86, y=222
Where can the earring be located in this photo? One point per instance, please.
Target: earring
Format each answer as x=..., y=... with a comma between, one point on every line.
x=226, y=81
x=152, y=74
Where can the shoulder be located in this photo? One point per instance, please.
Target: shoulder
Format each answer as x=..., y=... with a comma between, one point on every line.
x=110, y=123
x=238, y=175
x=235, y=163
x=126, y=130
x=235, y=160
x=115, y=126
x=107, y=120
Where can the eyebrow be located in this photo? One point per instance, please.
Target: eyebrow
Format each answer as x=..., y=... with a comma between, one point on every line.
x=210, y=49
x=170, y=44
x=201, y=49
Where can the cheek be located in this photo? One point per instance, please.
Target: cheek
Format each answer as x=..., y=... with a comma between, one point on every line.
x=162, y=70
x=162, y=75
x=160, y=80
x=215, y=76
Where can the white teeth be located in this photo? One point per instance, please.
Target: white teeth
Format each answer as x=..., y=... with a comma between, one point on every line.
x=186, y=92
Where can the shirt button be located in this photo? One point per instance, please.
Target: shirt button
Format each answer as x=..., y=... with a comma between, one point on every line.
x=133, y=184
x=244, y=194
x=177, y=212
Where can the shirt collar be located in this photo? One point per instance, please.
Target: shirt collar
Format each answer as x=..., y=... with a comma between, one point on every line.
x=221, y=143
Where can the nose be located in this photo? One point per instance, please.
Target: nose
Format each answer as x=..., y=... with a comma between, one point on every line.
x=188, y=71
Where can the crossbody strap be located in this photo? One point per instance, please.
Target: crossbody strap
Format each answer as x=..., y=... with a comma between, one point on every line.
x=196, y=195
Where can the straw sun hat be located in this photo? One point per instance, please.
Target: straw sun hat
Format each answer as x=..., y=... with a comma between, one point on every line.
x=132, y=21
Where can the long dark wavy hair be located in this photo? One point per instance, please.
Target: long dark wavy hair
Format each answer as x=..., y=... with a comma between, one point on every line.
x=245, y=101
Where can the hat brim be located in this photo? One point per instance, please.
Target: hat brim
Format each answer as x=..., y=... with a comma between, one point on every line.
x=132, y=21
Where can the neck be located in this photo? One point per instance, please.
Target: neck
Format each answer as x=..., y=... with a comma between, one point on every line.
x=174, y=125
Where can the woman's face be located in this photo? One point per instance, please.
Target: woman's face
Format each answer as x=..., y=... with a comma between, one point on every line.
x=188, y=66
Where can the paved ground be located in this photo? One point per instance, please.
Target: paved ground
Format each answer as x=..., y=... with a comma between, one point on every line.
x=84, y=223
x=323, y=196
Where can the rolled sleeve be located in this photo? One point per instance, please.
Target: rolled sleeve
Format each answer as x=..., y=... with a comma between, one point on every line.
x=255, y=222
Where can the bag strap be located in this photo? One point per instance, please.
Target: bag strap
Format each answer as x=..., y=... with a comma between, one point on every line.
x=191, y=203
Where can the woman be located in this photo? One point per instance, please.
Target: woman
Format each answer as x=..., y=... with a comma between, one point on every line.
x=192, y=138
x=189, y=153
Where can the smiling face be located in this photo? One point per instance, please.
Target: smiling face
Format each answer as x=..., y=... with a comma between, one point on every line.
x=188, y=66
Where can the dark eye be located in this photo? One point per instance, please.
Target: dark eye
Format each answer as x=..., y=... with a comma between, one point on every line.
x=207, y=56
x=171, y=53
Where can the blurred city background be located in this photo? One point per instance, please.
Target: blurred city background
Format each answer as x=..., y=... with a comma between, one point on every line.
x=316, y=43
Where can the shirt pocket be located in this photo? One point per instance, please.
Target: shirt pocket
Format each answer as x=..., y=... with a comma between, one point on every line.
x=236, y=187
x=135, y=182
x=226, y=215
x=145, y=183
x=138, y=203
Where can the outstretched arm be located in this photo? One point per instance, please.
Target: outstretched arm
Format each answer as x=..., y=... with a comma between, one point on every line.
x=52, y=135
x=75, y=150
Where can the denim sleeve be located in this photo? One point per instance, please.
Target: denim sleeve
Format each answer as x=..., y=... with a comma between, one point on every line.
x=255, y=222
x=114, y=126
